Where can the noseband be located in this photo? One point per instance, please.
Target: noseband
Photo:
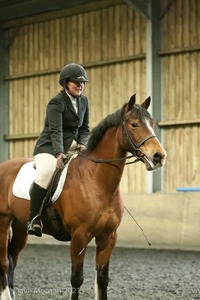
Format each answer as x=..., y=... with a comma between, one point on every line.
x=135, y=151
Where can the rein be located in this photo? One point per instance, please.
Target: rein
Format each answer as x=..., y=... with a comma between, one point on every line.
x=136, y=148
x=108, y=160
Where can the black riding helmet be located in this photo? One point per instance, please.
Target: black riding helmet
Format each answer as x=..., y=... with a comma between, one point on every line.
x=73, y=72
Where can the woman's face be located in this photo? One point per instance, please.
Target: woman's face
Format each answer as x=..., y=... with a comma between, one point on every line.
x=75, y=88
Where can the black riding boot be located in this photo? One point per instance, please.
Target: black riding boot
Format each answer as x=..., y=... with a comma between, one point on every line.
x=37, y=194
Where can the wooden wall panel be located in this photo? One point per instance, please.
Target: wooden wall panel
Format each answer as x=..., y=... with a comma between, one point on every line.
x=103, y=41
x=115, y=34
x=181, y=77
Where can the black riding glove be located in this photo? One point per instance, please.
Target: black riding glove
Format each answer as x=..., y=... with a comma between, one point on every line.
x=60, y=161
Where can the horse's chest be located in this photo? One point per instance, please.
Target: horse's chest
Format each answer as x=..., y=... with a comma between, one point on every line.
x=108, y=221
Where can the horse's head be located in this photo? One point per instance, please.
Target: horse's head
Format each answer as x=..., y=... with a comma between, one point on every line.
x=139, y=136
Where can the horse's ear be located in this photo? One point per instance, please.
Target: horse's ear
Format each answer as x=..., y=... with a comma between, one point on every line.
x=146, y=103
x=131, y=103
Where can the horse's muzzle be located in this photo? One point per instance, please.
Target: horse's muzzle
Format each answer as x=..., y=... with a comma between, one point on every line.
x=156, y=162
x=157, y=158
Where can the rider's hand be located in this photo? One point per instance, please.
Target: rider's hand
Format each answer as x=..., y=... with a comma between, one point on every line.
x=80, y=147
x=60, y=161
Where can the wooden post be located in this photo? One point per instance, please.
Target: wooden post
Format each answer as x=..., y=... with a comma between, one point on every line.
x=151, y=10
x=3, y=95
x=154, y=80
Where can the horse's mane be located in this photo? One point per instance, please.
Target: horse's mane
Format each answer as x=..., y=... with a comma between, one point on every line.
x=115, y=119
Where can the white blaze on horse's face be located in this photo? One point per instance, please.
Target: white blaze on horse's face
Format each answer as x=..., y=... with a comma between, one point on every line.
x=155, y=157
x=143, y=142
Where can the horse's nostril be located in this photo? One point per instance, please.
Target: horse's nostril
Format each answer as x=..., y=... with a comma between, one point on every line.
x=157, y=157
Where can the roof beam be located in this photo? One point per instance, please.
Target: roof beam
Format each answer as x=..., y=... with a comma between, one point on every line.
x=142, y=6
x=84, y=6
x=20, y=9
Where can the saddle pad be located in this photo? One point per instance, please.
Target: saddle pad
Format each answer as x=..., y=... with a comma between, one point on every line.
x=27, y=175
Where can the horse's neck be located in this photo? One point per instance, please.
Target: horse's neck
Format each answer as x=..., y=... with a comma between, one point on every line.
x=109, y=147
x=109, y=150
x=109, y=144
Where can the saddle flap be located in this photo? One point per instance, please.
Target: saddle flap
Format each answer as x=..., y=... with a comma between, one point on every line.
x=27, y=175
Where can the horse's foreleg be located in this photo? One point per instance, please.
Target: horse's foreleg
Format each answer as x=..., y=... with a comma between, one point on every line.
x=4, y=261
x=103, y=254
x=78, y=247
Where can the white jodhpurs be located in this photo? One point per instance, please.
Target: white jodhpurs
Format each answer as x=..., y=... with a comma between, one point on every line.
x=45, y=166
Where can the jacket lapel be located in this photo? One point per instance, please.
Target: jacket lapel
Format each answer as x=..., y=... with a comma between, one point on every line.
x=79, y=106
x=69, y=104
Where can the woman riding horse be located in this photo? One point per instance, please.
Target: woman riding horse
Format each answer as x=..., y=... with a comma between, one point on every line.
x=66, y=125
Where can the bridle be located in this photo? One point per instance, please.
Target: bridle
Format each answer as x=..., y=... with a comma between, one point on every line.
x=136, y=149
x=136, y=146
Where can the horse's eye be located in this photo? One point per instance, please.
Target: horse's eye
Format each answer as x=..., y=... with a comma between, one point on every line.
x=134, y=125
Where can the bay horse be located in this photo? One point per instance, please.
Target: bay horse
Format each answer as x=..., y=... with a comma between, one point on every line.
x=90, y=205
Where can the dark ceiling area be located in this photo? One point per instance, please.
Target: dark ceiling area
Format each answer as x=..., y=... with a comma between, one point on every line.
x=13, y=9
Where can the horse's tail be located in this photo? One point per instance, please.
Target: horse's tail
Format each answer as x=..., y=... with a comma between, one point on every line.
x=16, y=242
x=10, y=259
x=17, y=239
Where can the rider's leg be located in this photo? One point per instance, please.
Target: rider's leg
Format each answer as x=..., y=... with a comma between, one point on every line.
x=45, y=166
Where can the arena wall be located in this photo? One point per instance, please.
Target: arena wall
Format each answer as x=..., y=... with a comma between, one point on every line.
x=180, y=55
x=111, y=43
